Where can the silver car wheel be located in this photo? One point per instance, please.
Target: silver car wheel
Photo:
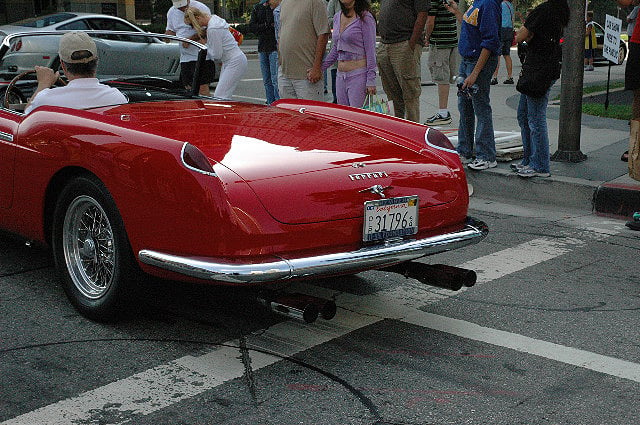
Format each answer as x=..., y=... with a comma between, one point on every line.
x=89, y=249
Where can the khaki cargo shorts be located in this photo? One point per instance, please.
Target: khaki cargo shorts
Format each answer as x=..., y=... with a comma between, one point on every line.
x=443, y=64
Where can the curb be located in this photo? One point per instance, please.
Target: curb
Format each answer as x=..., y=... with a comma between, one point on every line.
x=568, y=192
x=617, y=199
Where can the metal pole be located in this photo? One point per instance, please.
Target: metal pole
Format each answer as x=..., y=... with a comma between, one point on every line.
x=606, y=99
x=571, y=87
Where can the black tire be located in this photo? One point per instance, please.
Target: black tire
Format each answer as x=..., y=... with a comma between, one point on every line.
x=91, y=250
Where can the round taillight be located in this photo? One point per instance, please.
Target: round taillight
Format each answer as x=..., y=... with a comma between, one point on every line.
x=194, y=159
x=438, y=140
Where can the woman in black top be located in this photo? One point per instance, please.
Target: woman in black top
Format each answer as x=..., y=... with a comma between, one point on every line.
x=542, y=31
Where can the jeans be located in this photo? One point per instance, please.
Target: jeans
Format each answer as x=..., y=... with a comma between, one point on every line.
x=269, y=68
x=477, y=107
x=532, y=118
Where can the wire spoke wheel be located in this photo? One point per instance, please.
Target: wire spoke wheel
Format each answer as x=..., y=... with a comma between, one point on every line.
x=89, y=247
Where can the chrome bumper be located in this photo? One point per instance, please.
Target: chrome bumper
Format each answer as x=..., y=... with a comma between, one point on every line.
x=371, y=257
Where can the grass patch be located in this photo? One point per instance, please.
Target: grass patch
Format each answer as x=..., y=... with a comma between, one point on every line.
x=599, y=88
x=594, y=89
x=619, y=112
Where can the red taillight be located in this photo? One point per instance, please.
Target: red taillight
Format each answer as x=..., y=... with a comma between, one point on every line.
x=16, y=46
x=194, y=159
x=438, y=140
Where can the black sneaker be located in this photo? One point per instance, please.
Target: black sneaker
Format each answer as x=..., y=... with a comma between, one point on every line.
x=494, y=81
x=633, y=225
x=508, y=81
x=438, y=119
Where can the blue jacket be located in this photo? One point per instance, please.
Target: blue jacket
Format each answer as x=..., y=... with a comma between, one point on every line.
x=481, y=29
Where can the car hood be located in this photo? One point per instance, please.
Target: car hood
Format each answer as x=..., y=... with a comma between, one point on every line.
x=304, y=168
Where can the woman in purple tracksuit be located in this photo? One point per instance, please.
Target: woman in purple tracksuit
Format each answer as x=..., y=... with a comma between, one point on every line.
x=353, y=47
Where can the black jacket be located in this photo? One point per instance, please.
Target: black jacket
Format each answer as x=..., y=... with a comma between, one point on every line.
x=262, y=25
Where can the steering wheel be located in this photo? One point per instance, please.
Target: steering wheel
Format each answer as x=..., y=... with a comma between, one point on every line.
x=13, y=91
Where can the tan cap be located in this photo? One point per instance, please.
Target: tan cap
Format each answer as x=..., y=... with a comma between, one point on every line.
x=180, y=3
x=77, y=41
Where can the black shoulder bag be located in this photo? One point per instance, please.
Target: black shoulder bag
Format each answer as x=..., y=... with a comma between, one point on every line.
x=537, y=76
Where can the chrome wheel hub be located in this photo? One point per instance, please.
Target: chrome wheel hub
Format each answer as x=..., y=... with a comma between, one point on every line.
x=88, y=246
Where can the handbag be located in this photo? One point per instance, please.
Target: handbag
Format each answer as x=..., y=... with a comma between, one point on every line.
x=375, y=103
x=535, y=80
x=239, y=37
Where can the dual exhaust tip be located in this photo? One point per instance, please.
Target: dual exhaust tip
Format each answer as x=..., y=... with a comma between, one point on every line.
x=308, y=308
x=302, y=307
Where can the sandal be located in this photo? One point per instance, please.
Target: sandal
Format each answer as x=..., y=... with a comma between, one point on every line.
x=625, y=156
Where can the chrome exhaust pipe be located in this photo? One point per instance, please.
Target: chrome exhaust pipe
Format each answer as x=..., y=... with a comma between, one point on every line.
x=327, y=308
x=298, y=306
x=440, y=275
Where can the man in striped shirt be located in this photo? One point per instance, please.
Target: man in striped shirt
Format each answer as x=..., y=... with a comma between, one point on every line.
x=442, y=39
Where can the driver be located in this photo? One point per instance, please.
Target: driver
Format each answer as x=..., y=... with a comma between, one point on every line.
x=79, y=60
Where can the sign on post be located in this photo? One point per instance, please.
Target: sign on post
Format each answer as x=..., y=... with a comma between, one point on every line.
x=611, y=47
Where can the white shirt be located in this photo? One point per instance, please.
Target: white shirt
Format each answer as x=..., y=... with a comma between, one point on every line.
x=221, y=45
x=80, y=93
x=175, y=23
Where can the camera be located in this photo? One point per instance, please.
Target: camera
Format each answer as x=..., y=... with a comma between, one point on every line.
x=467, y=92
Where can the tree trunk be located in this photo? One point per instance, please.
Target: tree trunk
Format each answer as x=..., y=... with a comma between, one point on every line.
x=571, y=87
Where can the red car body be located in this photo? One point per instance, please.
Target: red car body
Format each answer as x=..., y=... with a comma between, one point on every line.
x=283, y=198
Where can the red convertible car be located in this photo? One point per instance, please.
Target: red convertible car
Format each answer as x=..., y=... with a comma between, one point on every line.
x=194, y=188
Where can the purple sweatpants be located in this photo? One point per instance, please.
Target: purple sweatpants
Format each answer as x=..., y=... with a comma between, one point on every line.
x=351, y=87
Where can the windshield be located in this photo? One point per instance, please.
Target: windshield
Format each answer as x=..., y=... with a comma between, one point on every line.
x=44, y=21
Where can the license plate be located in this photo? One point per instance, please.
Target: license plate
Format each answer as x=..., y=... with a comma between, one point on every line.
x=390, y=218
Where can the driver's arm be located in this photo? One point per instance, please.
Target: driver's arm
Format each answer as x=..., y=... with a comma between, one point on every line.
x=46, y=78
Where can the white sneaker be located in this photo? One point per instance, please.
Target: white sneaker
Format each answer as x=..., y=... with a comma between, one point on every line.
x=481, y=164
x=530, y=172
x=438, y=119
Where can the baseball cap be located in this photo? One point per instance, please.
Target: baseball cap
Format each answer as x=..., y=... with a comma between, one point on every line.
x=77, y=41
x=179, y=3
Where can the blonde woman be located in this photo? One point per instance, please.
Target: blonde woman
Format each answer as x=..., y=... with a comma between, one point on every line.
x=222, y=46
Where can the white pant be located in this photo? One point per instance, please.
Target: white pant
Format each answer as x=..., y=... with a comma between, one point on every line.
x=299, y=89
x=230, y=74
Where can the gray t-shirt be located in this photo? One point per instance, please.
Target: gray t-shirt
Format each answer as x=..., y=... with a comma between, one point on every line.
x=397, y=18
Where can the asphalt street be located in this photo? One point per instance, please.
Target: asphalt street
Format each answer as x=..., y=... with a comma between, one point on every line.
x=547, y=335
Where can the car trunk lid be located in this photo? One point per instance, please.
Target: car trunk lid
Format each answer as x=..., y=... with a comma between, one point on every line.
x=307, y=169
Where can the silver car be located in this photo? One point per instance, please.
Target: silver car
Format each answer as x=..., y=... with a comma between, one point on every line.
x=26, y=52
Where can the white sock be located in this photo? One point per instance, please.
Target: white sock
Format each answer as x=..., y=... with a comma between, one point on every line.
x=443, y=112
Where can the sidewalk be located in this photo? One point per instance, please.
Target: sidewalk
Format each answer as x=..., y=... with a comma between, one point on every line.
x=600, y=183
